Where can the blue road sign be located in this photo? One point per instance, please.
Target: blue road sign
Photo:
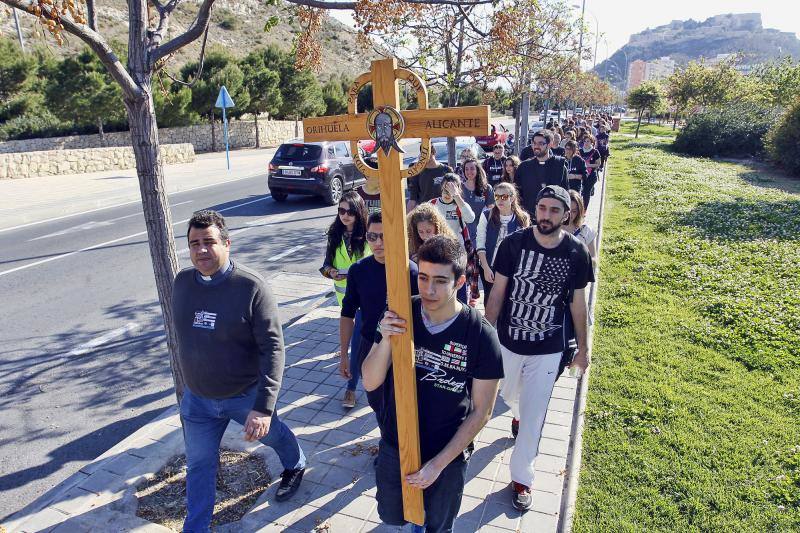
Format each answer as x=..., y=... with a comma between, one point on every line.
x=224, y=100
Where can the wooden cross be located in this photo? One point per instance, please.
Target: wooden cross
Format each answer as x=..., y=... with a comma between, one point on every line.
x=387, y=125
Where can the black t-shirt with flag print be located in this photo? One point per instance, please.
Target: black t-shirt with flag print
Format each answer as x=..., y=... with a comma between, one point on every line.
x=540, y=286
x=446, y=363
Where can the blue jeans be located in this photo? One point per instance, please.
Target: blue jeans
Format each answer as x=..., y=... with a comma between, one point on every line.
x=204, y=423
x=442, y=499
x=355, y=341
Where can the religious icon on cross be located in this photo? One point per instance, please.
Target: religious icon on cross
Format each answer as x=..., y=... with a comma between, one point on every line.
x=387, y=126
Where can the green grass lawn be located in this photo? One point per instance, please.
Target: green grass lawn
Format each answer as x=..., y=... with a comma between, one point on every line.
x=693, y=416
x=653, y=129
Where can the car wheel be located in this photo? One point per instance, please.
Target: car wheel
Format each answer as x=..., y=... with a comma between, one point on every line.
x=279, y=196
x=335, y=191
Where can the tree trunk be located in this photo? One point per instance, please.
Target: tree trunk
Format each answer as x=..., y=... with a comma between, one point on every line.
x=639, y=123
x=452, y=156
x=213, y=134
x=158, y=219
x=100, y=131
x=525, y=112
x=258, y=141
x=517, y=127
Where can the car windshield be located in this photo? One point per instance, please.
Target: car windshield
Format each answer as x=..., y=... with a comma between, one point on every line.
x=299, y=152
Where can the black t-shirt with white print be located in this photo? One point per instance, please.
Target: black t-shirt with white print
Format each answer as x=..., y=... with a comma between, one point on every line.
x=446, y=364
x=540, y=286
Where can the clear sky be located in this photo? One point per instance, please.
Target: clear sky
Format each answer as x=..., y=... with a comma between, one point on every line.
x=619, y=19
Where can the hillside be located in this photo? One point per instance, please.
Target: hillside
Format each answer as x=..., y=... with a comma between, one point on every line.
x=690, y=40
x=237, y=25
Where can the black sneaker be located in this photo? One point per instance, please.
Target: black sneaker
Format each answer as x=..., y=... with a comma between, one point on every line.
x=514, y=427
x=290, y=482
x=522, y=496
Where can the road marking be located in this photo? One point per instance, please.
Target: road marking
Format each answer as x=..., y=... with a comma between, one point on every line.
x=287, y=252
x=113, y=241
x=20, y=226
x=93, y=224
x=103, y=339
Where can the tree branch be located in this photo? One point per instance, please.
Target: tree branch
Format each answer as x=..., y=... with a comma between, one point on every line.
x=91, y=15
x=96, y=43
x=339, y=5
x=195, y=30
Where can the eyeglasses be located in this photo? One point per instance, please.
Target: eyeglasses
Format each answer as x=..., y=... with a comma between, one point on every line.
x=503, y=196
x=343, y=211
x=372, y=237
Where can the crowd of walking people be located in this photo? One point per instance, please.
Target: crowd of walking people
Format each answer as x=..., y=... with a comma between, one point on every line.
x=510, y=226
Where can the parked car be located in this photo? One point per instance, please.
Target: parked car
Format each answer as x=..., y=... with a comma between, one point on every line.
x=498, y=135
x=325, y=169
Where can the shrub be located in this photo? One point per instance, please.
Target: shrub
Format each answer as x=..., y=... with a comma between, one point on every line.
x=731, y=130
x=783, y=140
x=227, y=20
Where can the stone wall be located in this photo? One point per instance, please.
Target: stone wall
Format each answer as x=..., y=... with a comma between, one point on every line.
x=242, y=134
x=54, y=162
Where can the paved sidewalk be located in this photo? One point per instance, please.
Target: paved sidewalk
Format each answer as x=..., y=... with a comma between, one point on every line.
x=32, y=199
x=338, y=491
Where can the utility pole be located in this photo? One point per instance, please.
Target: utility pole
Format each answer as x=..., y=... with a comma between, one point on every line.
x=19, y=30
x=580, y=40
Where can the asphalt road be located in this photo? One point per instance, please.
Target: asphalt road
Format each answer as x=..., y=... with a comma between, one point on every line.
x=83, y=362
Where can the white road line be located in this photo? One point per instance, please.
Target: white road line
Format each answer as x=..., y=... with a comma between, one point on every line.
x=93, y=224
x=103, y=339
x=285, y=253
x=20, y=226
x=113, y=241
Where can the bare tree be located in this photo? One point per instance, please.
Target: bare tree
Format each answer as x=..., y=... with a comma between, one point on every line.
x=148, y=51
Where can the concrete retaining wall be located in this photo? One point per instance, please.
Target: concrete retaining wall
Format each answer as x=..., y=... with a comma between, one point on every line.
x=242, y=134
x=55, y=162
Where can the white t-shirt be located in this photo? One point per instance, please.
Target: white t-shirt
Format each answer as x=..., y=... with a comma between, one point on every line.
x=585, y=234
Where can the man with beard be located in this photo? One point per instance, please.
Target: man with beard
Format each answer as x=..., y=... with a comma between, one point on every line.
x=544, y=169
x=542, y=273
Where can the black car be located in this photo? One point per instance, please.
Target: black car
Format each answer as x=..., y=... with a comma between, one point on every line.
x=323, y=169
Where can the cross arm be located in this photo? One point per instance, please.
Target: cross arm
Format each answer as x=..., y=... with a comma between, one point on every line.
x=447, y=122
x=336, y=128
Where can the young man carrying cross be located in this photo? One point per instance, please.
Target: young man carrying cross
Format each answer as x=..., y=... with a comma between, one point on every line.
x=458, y=367
x=540, y=273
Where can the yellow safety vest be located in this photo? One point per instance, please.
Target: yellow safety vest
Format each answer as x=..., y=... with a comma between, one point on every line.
x=342, y=260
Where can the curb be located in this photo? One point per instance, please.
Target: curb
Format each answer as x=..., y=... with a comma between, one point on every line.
x=567, y=513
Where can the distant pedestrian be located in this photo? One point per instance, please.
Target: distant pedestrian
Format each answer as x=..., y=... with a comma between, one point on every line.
x=494, y=225
x=555, y=145
x=539, y=273
x=510, y=167
x=347, y=243
x=603, y=139
x=371, y=194
x=230, y=347
x=426, y=185
x=477, y=192
x=576, y=166
x=592, y=158
x=493, y=166
x=544, y=169
x=457, y=367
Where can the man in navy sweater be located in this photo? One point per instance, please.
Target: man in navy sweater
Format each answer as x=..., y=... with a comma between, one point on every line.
x=230, y=348
x=366, y=290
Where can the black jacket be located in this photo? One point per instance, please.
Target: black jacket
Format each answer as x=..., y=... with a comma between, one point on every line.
x=532, y=176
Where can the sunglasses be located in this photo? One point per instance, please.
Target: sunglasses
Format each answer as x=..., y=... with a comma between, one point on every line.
x=343, y=211
x=503, y=196
x=372, y=237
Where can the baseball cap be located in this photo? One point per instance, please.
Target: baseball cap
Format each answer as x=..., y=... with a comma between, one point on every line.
x=554, y=191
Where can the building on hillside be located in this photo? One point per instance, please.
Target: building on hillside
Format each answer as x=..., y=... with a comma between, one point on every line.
x=636, y=74
x=744, y=68
x=658, y=69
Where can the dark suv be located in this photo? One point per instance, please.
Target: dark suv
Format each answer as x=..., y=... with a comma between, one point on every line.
x=324, y=168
